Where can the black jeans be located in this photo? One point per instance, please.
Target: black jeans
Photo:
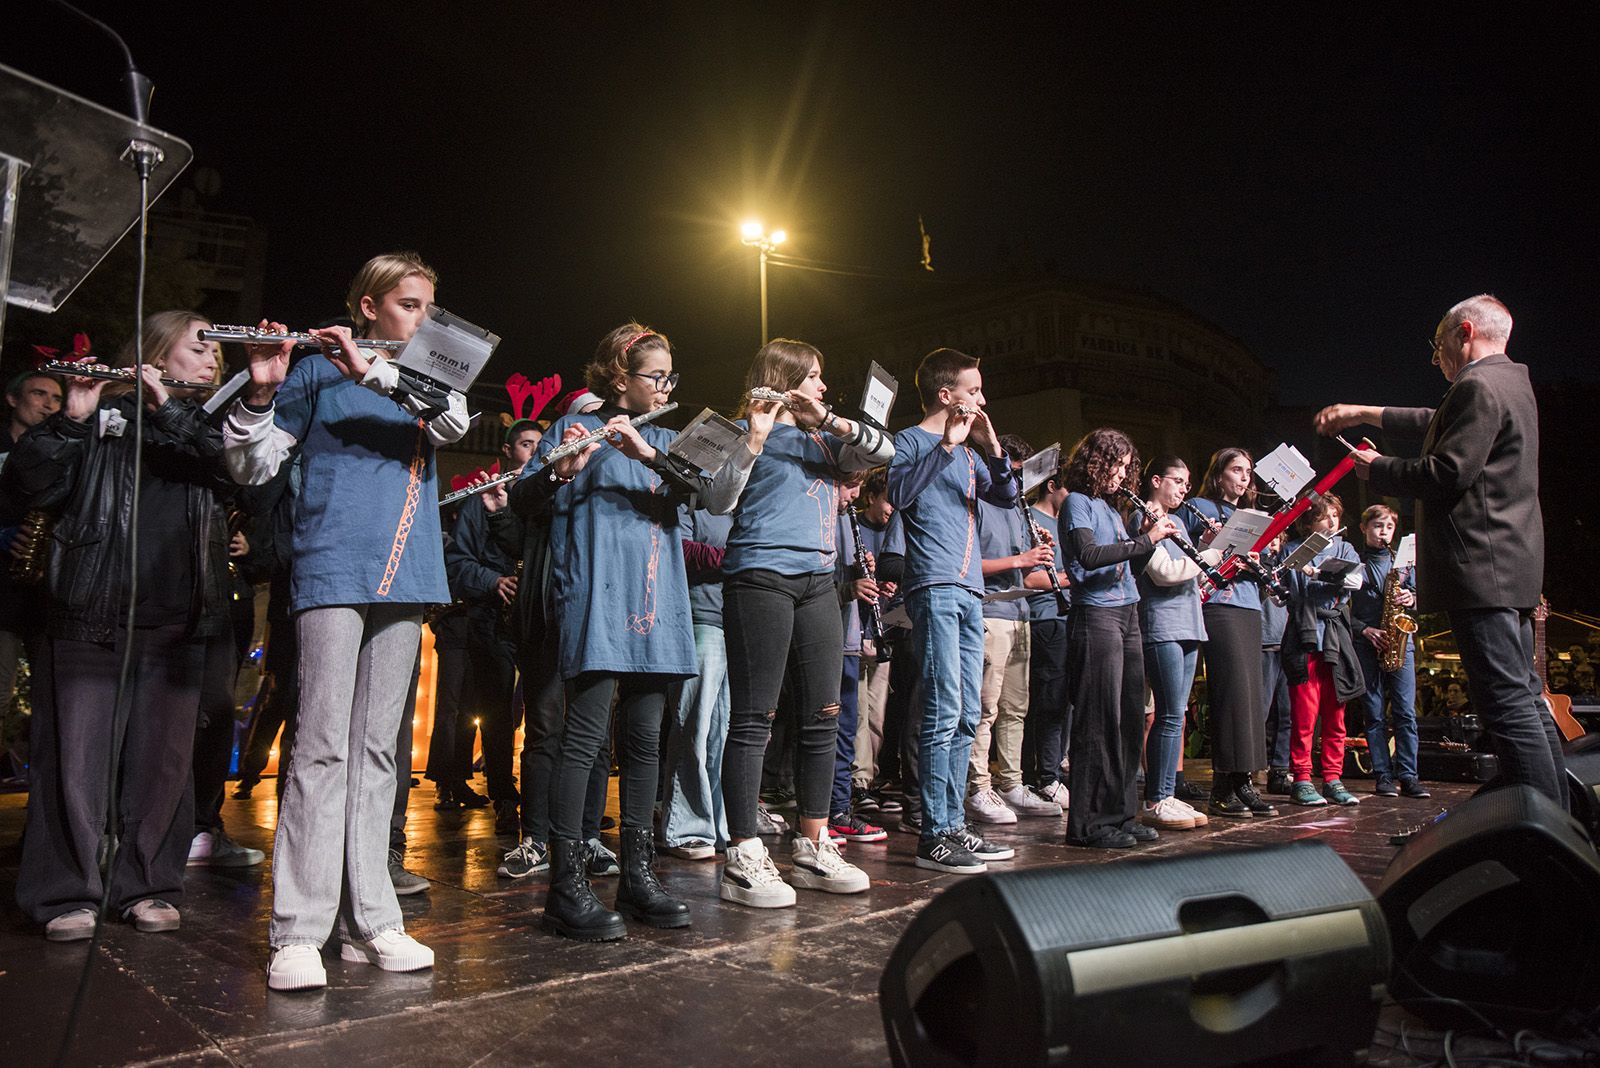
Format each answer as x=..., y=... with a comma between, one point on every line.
x=775, y=624
x=447, y=765
x=402, y=761
x=213, y=735
x=1496, y=646
x=1106, y=655
x=74, y=721
x=277, y=705
x=544, y=705
x=641, y=702
x=491, y=683
x=1049, y=723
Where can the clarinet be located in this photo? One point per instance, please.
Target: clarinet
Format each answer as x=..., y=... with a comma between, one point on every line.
x=1272, y=581
x=1036, y=538
x=1210, y=577
x=869, y=570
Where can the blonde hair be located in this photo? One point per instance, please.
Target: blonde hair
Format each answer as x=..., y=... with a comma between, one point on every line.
x=619, y=353
x=161, y=332
x=379, y=275
x=781, y=364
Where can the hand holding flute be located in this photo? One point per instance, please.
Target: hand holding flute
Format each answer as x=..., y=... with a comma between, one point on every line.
x=578, y=445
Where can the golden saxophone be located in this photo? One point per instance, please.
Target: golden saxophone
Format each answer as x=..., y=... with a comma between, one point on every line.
x=31, y=551
x=1397, y=625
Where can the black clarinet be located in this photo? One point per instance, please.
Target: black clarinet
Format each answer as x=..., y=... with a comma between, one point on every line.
x=869, y=570
x=1273, y=582
x=1036, y=538
x=1209, y=575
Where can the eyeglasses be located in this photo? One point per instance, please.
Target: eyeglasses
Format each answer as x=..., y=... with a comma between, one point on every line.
x=664, y=382
x=1434, y=345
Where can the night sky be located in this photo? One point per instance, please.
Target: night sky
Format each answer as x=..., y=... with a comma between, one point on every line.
x=1321, y=190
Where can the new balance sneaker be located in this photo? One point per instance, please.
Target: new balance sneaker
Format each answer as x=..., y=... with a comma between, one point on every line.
x=405, y=882
x=1167, y=815
x=985, y=806
x=692, y=849
x=948, y=853
x=528, y=857
x=1025, y=801
x=750, y=878
x=296, y=967
x=852, y=828
x=1336, y=794
x=983, y=850
x=392, y=950
x=1056, y=792
x=600, y=861
x=819, y=866
x=1303, y=793
x=214, y=849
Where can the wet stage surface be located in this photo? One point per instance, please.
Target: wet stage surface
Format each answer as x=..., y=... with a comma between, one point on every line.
x=790, y=986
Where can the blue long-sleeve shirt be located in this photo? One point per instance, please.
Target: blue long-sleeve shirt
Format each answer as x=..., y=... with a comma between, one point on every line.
x=935, y=493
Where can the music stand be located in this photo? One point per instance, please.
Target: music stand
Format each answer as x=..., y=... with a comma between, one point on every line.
x=68, y=191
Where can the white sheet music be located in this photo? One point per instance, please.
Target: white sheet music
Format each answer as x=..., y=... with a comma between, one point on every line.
x=1285, y=470
x=1315, y=542
x=877, y=398
x=1040, y=466
x=1406, y=555
x=1244, y=529
x=448, y=349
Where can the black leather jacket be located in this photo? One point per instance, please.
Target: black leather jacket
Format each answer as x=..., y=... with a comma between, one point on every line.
x=85, y=477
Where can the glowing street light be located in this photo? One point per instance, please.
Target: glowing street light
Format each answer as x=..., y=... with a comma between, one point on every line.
x=752, y=232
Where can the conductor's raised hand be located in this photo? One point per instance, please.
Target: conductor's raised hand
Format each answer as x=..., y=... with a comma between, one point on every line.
x=1337, y=417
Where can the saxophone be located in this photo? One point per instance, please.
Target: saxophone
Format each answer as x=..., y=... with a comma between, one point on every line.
x=32, y=548
x=1396, y=624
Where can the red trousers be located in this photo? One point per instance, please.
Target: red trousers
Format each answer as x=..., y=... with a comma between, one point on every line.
x=1308, y=700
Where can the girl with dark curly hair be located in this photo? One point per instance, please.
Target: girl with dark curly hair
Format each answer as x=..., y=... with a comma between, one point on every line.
x=1106, y=651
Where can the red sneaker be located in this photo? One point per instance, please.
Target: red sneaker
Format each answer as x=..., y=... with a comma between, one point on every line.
x=852, y=828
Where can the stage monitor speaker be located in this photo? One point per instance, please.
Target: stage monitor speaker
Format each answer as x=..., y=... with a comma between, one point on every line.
x=1583, y=784
x=1491, y=913
x=1227, y=958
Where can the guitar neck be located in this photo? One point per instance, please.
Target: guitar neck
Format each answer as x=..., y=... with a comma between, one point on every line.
x=1540, y=658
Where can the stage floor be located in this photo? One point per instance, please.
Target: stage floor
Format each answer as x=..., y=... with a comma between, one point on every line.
x=741, y=986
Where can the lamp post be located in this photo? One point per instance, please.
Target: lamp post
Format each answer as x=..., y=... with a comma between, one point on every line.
x=754, y=233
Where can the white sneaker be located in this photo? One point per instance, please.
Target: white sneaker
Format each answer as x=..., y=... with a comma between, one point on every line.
x=392, y=950
x=750, y=878
x=819, y=866
x=1025, y=802
x=1200, y=818
x=985, y=806
x=214, y=849
x=1165, y=815
x=296, y=967
x=1057, y=792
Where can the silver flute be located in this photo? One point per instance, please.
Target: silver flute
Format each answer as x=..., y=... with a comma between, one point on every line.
x=251, y=335
x=772, y=396
x=481, y=487
x=577, y=445
x=116, y=374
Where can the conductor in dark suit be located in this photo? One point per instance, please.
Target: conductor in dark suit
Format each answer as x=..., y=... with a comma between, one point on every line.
x=1480, y=536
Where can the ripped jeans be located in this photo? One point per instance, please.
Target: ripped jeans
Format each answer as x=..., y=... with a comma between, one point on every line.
x=780, y=629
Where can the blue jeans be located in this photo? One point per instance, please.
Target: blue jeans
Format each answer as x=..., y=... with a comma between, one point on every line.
x=1169, y=667
x=1397, y=689
x=691, y=809
x=1275, y=687
x=947, y=633
x=1496, y=646
x=849, y=713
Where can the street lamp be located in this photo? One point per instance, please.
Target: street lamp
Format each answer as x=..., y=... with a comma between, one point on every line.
x=754, y=233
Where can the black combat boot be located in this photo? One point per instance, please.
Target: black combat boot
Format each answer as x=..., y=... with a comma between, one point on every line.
x=640, y=894
x=571, y=909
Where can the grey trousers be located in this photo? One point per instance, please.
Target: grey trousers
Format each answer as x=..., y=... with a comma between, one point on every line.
x=330, y=858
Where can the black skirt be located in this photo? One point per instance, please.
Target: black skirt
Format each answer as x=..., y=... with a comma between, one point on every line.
x=1233, y=688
